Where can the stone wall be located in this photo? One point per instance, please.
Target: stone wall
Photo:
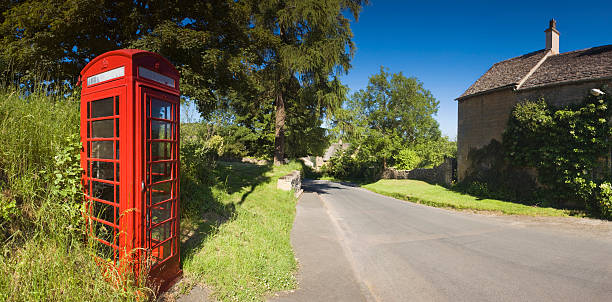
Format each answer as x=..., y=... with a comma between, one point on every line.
x=482, y=118
x=442, y=174
x=291, y=181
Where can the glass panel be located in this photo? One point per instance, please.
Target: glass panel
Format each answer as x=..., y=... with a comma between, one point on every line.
x=161, y=171
x=117, y=151
x=117, y=127
x=102, y=149
x=102, y=191
x=102, y=170
x=103, y=128
x=161, y=109
x=163, y=251
x=117, y=196
x=161, y=130
x=160, y=151
x=161, y=232
x=103, y=211
x=161, y=213
x=101, y=108
x=103, y=231
x=117, y=175
x=117, y=105
x=161, y=192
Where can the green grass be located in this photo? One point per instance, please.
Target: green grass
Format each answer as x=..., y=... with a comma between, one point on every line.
x=240, y=245
x=43, y=254
x=438, y=196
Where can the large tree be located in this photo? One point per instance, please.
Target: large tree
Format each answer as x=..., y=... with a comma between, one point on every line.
x=303, y=45
x=393, y=112
x=54, y=39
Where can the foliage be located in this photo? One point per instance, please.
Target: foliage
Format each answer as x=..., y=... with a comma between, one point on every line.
x=349, y=164
x=43, y=256
x=407, y=159
x=604, y=198
x=301, y=48
x=567, y=146
x=426, y=155
x=56, y=38
x=391, y=123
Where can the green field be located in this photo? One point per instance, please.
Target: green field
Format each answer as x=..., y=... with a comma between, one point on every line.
x=240, y=247
x=438, y=196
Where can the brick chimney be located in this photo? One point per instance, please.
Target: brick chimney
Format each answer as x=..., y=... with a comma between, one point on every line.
x=552, y=37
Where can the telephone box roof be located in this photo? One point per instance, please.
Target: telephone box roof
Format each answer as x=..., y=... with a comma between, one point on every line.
x=128, y=53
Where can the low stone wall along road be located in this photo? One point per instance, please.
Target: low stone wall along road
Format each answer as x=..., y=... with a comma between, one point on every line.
x=375, y=248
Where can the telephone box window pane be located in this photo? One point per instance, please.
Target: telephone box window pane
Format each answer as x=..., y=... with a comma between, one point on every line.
x=117, y=150
x=117, y=127
x=161, y=192
x=102, y=149
x=103, y=211
x=116, y=105
x=103, y=128
x=161, y=130
x=102, y=191
x=161, y=109
x=163, y=251
x=103, y=231
x=161, y=213
x=102, y=170
x=101, y=108
x=160, y=151
x=161, y=232
x=161, y=171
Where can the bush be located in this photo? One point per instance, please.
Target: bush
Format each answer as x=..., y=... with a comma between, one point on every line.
x=407, y=159
x=345, y=165
x=603, y=201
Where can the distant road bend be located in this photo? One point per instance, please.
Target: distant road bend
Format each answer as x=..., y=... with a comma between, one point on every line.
x=355, y=245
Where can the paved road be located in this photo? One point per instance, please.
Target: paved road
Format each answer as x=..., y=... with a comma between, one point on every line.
x=356, y=245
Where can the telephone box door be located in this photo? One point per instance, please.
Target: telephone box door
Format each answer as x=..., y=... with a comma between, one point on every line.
x=160, y=178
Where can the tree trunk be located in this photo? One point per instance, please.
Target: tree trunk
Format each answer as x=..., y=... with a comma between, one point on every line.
x=279, y=133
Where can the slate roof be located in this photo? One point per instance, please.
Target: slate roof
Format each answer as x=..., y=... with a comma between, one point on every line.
x=585, y=64
x=506, y=73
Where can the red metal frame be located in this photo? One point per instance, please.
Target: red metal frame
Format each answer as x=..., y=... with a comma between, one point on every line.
x=119, y=90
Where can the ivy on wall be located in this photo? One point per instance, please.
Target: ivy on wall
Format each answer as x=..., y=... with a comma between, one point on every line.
x=568, y=146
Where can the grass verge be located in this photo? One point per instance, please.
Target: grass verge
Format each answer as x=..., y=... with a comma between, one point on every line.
x=241, y=247
x=438, y=196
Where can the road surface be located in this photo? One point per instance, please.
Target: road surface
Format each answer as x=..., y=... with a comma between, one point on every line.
x=355, y=245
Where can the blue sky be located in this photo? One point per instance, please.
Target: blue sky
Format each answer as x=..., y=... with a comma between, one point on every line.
x=448, y=45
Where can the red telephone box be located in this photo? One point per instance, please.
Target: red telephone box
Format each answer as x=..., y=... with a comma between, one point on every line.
x=130, y=135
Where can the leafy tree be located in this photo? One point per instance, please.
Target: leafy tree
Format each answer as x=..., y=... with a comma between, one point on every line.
x=303, y=45
x=54, y=40
x=392, y=113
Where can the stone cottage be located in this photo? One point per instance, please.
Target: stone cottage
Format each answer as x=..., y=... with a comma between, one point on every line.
x=559, y=78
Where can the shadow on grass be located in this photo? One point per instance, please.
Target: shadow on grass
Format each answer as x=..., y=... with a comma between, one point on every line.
x=207, y=209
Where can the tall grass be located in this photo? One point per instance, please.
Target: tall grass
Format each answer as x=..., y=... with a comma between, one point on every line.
x=44, y=253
